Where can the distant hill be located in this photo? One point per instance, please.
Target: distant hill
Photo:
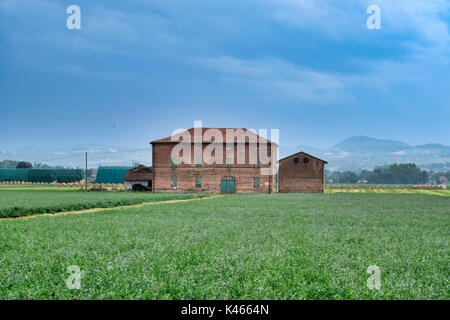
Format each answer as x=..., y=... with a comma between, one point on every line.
x=354, y=154
x=360, y=152
x=367, y=144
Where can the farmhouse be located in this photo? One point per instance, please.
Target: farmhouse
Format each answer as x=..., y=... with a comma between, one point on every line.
x=141, y=175
x=301, y=172
x=214, y=160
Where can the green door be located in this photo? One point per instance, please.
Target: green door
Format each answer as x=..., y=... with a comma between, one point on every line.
x=228, y=185
x=224, y=186
x=231, y=186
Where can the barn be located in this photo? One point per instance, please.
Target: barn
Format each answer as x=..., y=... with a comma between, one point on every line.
x=228, y=174
x=141, y=175
x=301, y=172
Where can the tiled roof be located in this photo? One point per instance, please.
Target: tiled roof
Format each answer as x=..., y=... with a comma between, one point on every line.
x=139, y=173
x=246, y=134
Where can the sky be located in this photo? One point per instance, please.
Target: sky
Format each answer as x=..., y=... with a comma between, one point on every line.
x=138, y=70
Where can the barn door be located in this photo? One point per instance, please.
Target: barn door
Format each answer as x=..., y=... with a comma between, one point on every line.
x=228, y=185
x=231, y=186
x=224, y=186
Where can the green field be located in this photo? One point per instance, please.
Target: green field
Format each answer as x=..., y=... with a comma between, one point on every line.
x=281, y=246
x=16, y=202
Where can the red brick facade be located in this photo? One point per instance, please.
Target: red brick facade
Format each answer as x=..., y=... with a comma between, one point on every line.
x=301, y=172
x=196, y=177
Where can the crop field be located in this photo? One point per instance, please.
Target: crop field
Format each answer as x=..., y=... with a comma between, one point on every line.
x=392, y=191
x=280, y=246
x=16, y=202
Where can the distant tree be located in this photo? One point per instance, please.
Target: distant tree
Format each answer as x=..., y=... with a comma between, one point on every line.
x=24, y=165
x=364, y=175
x=41, y=165
x=349, y=177
x=403, y=173
x=10, y=164
x=375, y=177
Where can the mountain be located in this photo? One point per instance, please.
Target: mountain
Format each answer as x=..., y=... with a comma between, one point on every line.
x=367, y=144
x=365, y=153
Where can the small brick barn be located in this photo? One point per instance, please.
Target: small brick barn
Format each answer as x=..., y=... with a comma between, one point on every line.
x=225, y=177
x=141, y=175
x=301, y=172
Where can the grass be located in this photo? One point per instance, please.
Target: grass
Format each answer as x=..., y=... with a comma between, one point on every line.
x=29, y=201
x=280, y=246
x=436, y=192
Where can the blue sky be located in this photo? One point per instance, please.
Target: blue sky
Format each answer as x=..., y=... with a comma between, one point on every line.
x=139, y=69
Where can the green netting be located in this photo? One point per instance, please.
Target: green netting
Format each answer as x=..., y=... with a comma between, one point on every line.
x=14, y=174
x=68, y=175
x=41, y=175
x=111, y=174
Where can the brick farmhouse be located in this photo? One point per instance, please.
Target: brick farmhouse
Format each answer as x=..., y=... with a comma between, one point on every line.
x=238, y=165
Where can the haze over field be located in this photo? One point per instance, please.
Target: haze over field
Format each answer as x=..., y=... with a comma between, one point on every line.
x=354, y=154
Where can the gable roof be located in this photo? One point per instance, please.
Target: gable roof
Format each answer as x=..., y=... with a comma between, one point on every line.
x=139, y=173
x=223, y=131
x=304, y=153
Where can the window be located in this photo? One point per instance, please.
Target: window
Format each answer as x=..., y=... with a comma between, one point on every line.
x=173, y=162
x=296, y=160
x=305, y=160
x=198, y=182
x=173, y=182
x=256, y=182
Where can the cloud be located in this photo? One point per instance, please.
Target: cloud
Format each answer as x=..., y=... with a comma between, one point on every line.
x=345, y=19
x=275, y=79
x=423, y=18
x=335, y=21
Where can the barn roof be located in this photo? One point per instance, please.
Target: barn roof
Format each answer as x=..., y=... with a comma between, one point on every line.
x=247, y=134
x=139, y=173
x=304, y=153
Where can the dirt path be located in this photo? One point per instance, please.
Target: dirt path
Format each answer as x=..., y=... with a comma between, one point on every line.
x=66, y=213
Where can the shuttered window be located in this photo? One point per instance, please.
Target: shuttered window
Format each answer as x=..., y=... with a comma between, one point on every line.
x=198, y=182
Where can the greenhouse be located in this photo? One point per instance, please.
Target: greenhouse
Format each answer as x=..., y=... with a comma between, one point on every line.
x=112, y=174
x=14, y=174
x=42, y=175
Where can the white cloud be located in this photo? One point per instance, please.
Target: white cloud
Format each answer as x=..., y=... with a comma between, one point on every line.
x=424, y=19
x=274, y=79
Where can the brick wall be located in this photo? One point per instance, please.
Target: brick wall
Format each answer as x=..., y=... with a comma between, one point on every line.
x=211, y=175
x=300, y=176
